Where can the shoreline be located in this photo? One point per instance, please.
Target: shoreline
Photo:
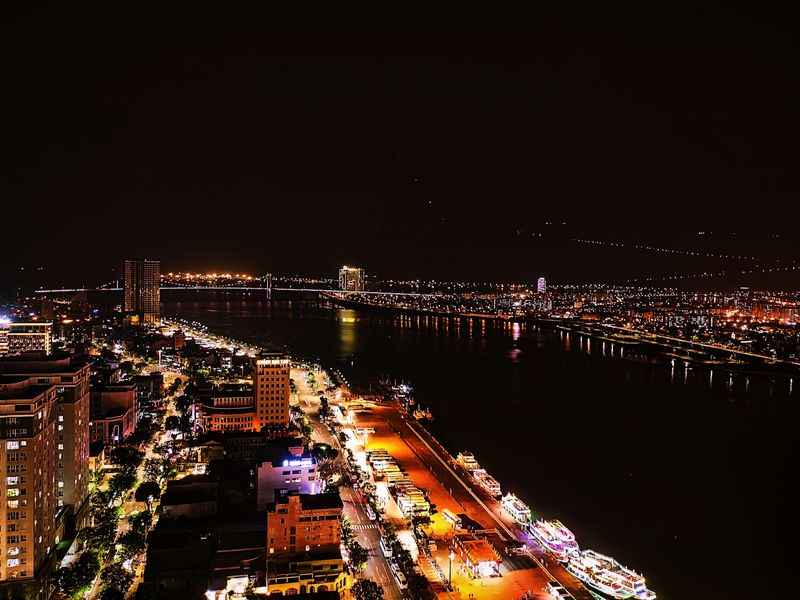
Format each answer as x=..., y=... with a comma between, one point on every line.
x=437, y=472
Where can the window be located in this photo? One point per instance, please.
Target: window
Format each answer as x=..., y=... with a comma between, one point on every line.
x=13, y=562
x=12, y=492
x=13, y=504
x=12, y=480
x=12, y=445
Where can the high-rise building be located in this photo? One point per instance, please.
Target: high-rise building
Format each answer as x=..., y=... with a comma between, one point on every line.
x=30, y=337
x=71, y=376
x=271, y=390
x=351, y=279
x=142, y=289
x=28, y=460
x=541, y=285
x=4, y=326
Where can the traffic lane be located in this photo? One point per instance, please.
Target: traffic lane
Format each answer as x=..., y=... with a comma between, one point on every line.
x=377, y=567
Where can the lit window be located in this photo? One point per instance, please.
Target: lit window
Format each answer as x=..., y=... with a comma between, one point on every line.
x=12, y=445
x=13, y=562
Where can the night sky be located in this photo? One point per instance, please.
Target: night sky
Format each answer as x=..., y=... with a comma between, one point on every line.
x=216, y=141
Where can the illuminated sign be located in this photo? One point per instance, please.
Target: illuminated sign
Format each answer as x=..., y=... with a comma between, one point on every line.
x=305, y=462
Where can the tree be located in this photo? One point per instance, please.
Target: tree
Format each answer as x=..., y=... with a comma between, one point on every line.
x=132, y=543
x=117, y=577
x=324, y=410
x=122, y=482
x=323, y=453
x=358, y=555
x=110, y=593
x=366, y=589
x=125, y=456
x=147, y=492
x=70, y=580
x=418, y=588
x=154, y=470
x=346, y=531
x=172, y=422
x=141, y=521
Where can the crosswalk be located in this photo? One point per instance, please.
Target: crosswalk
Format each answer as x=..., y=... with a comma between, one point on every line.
x=364, y=526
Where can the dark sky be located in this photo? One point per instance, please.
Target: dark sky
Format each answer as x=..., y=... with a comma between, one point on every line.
x=217, y=141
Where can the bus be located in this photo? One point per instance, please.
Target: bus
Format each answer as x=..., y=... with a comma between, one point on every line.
x=401, y=579
x=385, y=548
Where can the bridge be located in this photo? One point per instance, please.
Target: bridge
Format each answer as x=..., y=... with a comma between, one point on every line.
x=236, y=289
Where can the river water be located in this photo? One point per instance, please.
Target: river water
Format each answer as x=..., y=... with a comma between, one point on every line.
x=683, y=475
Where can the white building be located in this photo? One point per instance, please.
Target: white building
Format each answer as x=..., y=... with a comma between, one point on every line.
x=541, y=285
x=29, y=337
x=351, y=279
x=284, y=470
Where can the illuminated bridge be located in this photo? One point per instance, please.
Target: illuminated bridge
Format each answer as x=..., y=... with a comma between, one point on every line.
x=233, y=289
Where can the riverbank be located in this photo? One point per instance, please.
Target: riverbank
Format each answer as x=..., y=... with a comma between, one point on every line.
x=432, y=469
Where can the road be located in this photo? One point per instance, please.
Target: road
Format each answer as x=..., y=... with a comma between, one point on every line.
x=477, y=505
x=366, y=531
x=654, y=336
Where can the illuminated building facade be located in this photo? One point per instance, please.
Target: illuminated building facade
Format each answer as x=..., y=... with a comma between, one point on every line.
x=30, y=337
x=285, y=467
x=230, y=408
x=351, y=279
x=4, y=326
x=541, y=285
x=271, y=390
x=142, y=290
x=71, y=376
x=28, y=460
x=303, y=522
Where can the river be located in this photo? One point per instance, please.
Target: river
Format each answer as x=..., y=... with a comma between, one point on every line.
x=682, y=475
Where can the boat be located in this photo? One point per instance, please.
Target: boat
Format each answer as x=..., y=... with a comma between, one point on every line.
x=606, y=576
x=516, y=508
x=423, y=415
x=487, y=482
x=555, y=537
x=557, y=592
x=467, y=461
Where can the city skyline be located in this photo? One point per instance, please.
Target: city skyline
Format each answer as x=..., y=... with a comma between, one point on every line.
x=496, y=312
x=487, y=145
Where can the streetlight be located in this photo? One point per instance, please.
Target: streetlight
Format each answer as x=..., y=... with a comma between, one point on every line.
x=451, y=556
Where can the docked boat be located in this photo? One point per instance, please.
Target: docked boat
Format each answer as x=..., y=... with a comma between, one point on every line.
x=606, y=576
x=421, y=414
x=557, y=592
x=467, y=461
x=489, y=484
x=555, y=537
x=516, y=508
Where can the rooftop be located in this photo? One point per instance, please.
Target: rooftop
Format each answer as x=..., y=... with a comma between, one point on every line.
x=313, y=501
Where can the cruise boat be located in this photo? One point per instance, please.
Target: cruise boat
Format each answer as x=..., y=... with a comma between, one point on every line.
x=516, y=508
x=606, y=576
x=467, y=461
x=555, y=537
x=487, y=482
x=557, y=592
